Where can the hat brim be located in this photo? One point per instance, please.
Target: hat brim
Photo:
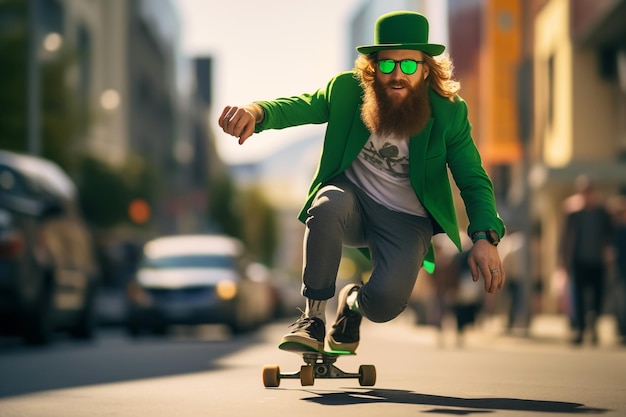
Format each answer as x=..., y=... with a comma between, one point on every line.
x=428, y=48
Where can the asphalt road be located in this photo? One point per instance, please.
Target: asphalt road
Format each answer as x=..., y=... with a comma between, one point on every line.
x=210, y=374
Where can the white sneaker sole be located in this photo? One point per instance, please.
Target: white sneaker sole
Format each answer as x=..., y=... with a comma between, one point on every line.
x=349, y=347
x=314, y=344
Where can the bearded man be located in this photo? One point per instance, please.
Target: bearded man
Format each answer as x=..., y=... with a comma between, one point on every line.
x=395, y=124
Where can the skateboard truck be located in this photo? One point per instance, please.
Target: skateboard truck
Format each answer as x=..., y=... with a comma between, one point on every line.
x=318, y=365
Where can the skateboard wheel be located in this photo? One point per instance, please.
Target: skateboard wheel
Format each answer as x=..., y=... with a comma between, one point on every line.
x=271, y=376
x=367, y=375
x=307, y=375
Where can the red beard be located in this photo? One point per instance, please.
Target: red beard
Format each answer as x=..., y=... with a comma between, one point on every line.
x=386, y=117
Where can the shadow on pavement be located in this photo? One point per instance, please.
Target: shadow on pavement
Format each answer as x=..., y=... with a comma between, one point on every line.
x=67, y=364
x=462, y=406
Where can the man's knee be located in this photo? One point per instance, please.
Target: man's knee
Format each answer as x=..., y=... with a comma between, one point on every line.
x=330, y=203
x=381, y=307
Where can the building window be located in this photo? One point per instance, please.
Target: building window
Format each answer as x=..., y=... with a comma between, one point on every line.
x=550, y=91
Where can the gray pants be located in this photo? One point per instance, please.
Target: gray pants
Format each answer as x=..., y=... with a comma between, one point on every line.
x=342, y=214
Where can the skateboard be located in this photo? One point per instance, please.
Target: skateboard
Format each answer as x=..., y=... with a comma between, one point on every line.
x=318, y=364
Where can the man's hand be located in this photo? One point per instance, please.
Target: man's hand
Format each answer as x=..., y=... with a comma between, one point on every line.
x=240, y=121
x=484, y=259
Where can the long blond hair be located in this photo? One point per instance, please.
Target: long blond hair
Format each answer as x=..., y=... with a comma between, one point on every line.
x=439, y=79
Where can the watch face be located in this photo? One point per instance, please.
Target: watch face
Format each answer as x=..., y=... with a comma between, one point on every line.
x=493, y=237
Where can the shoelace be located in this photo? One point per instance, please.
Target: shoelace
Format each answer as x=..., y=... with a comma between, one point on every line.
x=302, y=322
x=342, y=322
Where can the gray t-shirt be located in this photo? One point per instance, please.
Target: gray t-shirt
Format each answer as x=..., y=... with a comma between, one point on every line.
x=382, y=171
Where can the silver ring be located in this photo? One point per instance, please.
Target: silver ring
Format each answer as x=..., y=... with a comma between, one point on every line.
x=494, y=270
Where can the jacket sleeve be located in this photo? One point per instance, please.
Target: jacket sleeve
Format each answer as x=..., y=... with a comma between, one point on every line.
x=296, y=110
x=470, y=177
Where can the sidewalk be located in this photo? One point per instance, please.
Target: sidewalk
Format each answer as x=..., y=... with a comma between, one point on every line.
x=545, y=329
x=554, y=328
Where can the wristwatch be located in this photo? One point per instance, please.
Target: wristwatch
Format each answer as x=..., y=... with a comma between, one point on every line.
x=490, y=236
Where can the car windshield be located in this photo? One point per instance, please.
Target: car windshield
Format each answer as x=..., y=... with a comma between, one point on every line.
x=189, y=261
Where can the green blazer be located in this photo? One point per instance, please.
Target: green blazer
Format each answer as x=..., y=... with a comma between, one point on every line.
x=445, y=142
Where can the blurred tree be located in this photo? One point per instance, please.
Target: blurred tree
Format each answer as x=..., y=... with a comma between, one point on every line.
x=60, y=124
x=222, y=208
x=106, y=192
x=13, y=50
x=260, y=227
x=246, y=215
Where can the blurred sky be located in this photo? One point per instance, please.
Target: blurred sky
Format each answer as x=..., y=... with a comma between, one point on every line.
x=264, y=49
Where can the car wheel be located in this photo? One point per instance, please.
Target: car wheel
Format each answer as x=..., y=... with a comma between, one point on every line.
x=133, y=330
x=133, y=327
x=86, y=322
x=38, y=324
x=159, y=329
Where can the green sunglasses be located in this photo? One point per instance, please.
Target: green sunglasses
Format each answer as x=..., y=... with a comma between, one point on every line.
x=408, y=66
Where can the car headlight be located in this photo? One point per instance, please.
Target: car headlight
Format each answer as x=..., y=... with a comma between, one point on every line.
x=226, y=290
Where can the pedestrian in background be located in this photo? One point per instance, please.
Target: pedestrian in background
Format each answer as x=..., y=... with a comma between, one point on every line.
x=584, y=251
x=620, y=266
x=468, y=300
x=513, y=259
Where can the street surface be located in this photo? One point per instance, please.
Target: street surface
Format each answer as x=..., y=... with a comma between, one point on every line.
x=207, y=373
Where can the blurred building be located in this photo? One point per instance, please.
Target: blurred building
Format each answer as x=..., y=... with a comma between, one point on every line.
x=144, y=98
x=578, y=57
x=486, y=49
x=544, y=82
x=128, y=73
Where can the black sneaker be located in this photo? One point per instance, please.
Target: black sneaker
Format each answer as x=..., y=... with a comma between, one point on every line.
x=308, y=331
x=345, y=332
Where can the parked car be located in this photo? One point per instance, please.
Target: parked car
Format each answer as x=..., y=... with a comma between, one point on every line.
x=48, y=271
x=197, y=279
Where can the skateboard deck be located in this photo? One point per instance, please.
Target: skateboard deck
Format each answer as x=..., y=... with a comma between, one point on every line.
x=298, y=347
x=318, y=364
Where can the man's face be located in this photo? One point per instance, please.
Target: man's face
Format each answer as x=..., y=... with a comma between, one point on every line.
x=396, y=103
x=395, y=83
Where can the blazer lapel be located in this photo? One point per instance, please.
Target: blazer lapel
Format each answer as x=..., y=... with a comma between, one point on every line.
x=417, y=158
x=356, y=140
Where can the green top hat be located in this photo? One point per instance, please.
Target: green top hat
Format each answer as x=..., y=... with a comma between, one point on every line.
x=401, y=30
